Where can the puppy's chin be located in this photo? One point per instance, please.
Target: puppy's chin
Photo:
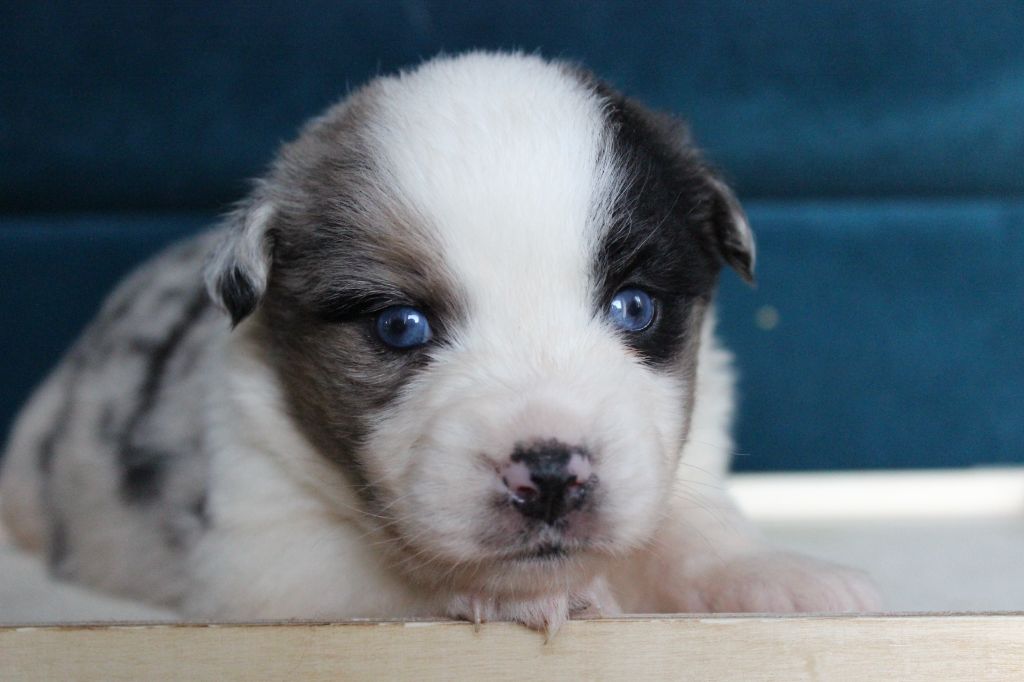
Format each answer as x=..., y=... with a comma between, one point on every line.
x=527, y=570
x=541, y=589
x=541, y=572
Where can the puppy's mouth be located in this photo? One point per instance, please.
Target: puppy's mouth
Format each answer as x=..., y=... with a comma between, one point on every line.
x=545, y=552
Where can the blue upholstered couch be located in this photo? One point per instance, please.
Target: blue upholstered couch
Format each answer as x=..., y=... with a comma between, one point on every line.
x=878, y=146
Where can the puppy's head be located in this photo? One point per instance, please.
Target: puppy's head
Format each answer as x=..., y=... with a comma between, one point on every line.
x=482, y=285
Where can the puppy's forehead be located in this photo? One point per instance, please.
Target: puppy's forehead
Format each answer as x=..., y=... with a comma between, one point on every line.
x=506, y=160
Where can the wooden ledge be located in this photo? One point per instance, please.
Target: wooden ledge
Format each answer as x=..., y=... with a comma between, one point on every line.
x=720, y=647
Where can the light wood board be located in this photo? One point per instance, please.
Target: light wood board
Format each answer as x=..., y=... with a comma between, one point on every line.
x=747, y=648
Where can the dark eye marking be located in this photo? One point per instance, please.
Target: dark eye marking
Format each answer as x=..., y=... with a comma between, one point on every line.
x=387, y=318
x=650, y=274
x=351, y=305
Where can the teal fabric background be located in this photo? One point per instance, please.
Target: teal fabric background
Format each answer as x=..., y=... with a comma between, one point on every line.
x=878, y=146
x=170, y=104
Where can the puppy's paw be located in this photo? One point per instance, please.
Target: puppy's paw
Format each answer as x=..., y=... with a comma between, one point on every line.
x=779, y=582
x=546, y=613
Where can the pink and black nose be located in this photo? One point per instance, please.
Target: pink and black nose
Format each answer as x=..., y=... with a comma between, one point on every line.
x=547, y=480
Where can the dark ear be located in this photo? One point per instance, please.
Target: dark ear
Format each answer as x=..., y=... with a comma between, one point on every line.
x=236, y=272
x=731, y=231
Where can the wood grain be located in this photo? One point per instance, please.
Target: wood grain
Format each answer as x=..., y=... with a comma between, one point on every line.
x=748, y=648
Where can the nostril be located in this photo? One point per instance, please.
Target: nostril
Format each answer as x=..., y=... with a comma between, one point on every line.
x=517, y=478
x=525, y=494
x=579, y=466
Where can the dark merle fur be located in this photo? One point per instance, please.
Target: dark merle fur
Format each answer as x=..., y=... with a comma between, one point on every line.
x=324, y=346
x=342, y=253
x=200, y=509
x=49, y=442
x=239, y=295
x=142, y=465
x=659, y=239
x=98, y=344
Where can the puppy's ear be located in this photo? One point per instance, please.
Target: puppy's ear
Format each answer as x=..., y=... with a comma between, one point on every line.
x=731, y=231
x=236, y=272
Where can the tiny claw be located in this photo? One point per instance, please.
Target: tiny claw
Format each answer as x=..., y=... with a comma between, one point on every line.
x=551, y=628
x=475, y=602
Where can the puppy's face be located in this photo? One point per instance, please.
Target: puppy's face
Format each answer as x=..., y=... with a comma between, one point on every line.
x=482, y=286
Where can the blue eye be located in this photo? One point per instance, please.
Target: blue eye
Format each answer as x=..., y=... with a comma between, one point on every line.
x=401, y=326
x=631, y=309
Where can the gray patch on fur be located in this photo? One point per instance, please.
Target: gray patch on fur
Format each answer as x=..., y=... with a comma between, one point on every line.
x=153, y=333
x=143, y=464
x=343, y=251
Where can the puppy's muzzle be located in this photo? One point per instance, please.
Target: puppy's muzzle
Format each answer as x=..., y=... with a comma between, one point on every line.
x=548, y=480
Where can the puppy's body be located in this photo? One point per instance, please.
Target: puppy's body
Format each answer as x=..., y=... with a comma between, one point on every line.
x=301, y=465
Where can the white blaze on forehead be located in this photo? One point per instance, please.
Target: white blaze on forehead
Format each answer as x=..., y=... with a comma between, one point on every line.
x=507, y=162
x=503, y=157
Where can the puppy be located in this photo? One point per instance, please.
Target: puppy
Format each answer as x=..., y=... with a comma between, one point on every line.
x=470, y=371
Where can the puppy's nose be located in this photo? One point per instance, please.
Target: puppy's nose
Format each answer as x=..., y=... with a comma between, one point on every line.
x=548, y=480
